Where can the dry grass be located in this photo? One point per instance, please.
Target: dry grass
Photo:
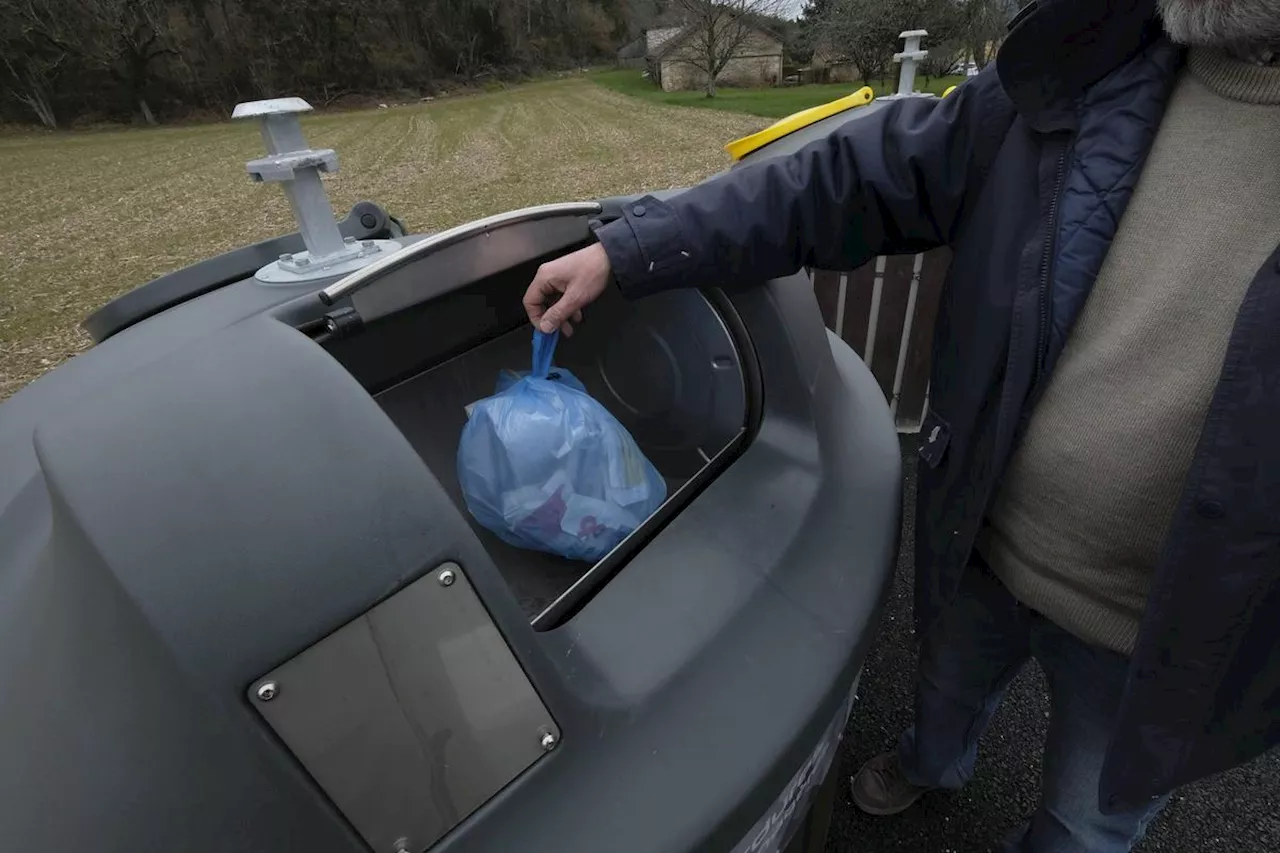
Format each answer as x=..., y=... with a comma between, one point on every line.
x=87, y=216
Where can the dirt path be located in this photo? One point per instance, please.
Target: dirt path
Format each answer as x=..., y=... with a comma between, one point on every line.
x=87, y=216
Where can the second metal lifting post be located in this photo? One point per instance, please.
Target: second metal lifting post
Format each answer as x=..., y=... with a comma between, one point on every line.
x=910, y=56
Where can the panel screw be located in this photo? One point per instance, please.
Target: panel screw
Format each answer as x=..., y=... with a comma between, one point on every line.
x=302, y=262
x=548, y=741
x=267, y=691
x=446, y=577
x=368, y=244
x=286, y=257
x=349, y=240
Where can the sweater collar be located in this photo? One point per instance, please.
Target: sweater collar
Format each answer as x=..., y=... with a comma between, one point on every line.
x=1235, y=78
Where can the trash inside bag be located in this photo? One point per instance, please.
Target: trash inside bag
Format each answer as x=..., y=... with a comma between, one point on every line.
x=544, y=466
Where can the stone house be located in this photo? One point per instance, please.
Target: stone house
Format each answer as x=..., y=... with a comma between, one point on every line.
x=830, y=65
x=673, y=57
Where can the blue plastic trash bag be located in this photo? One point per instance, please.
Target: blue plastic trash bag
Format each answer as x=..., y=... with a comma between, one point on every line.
x=544, y=466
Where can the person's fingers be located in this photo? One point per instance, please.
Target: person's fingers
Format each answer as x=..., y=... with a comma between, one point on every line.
x=540, y=292
x=566, y=328
x=562, y=311
x=533, y=305
x=577, y=279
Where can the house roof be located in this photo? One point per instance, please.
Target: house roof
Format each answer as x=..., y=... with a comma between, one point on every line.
x=679, y=35
x=656, y=38
x=633, y=49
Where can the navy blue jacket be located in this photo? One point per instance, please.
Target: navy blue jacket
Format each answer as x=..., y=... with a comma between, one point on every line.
x=1025, y=171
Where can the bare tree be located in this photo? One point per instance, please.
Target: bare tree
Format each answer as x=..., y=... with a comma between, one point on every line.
x=984, y=26
x=944, y=58
x=61, y=60
x=132, y=36
x=29, y=85
x=39, y=39
x=715, y=31
x=862, y=31
x=867, y=31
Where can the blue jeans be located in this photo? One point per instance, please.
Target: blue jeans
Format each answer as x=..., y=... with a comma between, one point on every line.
x=967, y=661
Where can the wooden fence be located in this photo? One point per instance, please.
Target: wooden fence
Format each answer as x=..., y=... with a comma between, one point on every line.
x=885, y=311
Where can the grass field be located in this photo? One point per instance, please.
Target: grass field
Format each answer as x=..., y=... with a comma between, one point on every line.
x=86, y=216
x=772, y=103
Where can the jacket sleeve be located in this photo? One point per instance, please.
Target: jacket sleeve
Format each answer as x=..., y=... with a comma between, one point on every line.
x=898, y=180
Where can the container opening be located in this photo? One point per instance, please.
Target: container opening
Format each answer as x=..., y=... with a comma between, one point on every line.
x=667, y=367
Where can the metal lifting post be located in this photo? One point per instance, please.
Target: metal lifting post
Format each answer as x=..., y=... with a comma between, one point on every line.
x=909, y=59
x=297, y=168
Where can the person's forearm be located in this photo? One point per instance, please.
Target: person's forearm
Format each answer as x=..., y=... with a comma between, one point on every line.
x=891, y=182
x=713, y=234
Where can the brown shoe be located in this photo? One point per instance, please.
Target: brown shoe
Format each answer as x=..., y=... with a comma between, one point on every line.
x=881, y=789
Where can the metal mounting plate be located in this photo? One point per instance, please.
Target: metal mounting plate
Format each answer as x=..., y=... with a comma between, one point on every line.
x=411, y=716
x=288, y=272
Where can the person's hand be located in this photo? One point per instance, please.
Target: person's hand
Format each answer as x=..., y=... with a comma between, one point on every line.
x=563, y=287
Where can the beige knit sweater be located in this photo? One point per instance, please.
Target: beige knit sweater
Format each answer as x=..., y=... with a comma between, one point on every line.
x=1076, y=529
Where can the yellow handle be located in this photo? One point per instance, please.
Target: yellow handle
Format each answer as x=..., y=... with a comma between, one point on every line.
x=740, y=148
x=950, y=89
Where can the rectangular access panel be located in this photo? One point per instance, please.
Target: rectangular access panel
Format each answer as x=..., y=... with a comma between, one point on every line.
x=411, y=716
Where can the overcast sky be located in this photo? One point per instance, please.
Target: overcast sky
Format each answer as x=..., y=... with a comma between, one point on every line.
x=791, y=8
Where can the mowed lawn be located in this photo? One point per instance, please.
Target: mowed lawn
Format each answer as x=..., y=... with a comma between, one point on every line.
x=86, y=216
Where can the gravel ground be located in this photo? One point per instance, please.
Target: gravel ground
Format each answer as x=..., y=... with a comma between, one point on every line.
x=1233, y=813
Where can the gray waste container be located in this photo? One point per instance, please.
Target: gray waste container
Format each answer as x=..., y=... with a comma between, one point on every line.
x=242, y=606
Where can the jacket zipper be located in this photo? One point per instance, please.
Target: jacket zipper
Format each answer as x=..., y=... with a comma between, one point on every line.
x=1046, y=267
